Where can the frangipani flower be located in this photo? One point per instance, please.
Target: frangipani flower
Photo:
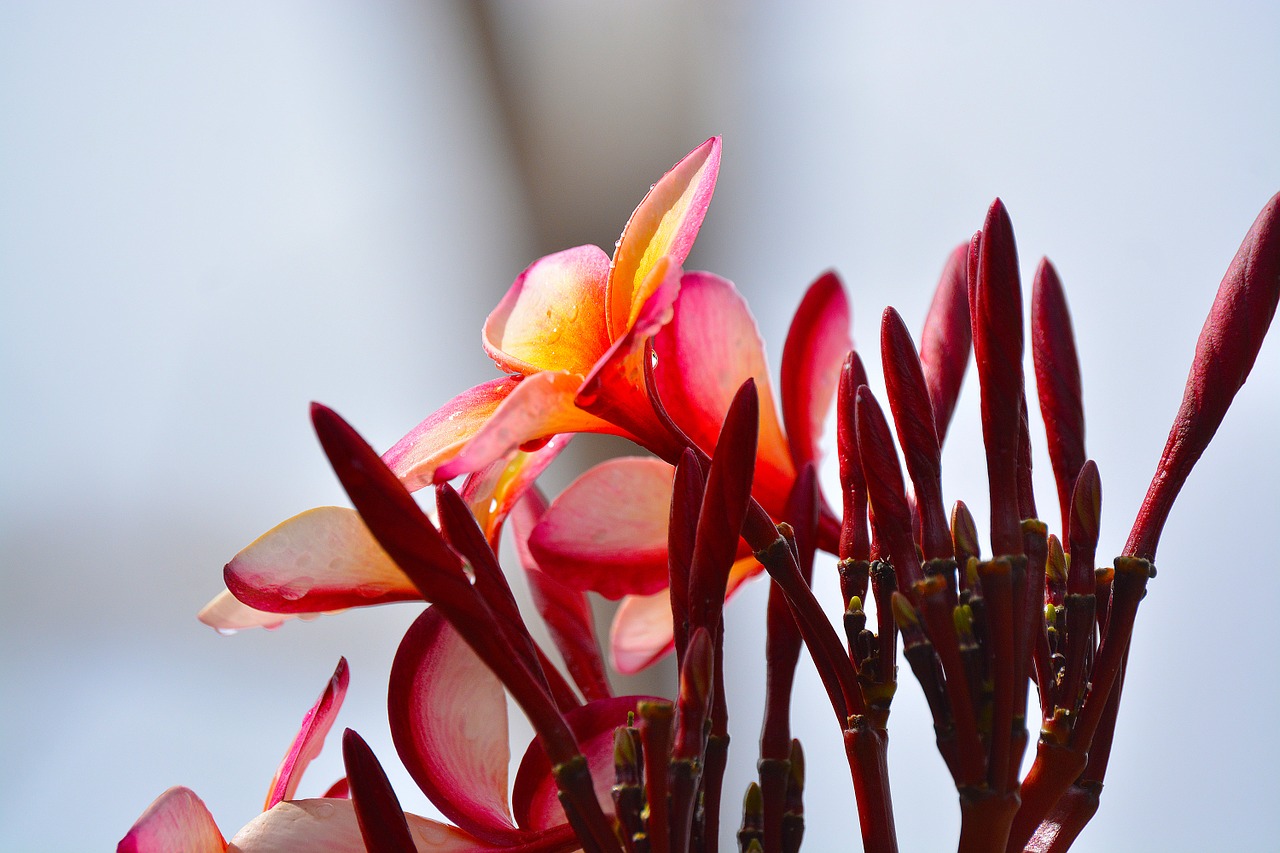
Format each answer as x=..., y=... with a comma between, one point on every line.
x=579, y=335
x=572, y=327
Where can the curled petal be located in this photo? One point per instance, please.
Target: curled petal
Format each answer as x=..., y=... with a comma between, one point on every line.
x=704, y=355
x=227, y=614
x=323, y=559
x=607, y=532
x=664, y=224
x=448, y=717
x=446, y=431
x=541, y=406
x=177, y=820
x=642, y=631
x=537, y=805
x=553, y=316
x=817, y=343
x=310, y=738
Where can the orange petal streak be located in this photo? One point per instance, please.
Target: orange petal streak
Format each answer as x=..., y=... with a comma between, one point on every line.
x=665, y=224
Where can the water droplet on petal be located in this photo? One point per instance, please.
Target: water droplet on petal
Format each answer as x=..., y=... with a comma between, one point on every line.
x=296, y=588
x=227, y=632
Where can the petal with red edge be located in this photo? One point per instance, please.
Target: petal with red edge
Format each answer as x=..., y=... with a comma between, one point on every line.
x=665, y=224
x=227, y=614
x=415, y=457
x=323, y=559
x=310, y=738
x=448, y=717
x=177, y=820
x=710, y=347
x=816, y=346
x=552, y=318
x=491, y=492
x=541, y=406
x=536, y=804
x=607, y=532
x=642, y=631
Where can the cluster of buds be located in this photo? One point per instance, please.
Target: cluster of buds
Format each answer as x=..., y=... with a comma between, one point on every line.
x=636, y=347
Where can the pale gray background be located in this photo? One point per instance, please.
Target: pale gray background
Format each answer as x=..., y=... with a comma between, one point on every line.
x=210, y=215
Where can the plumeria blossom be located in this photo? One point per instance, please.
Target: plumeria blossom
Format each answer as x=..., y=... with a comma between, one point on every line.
x=572, y=328
x=710, y=347
x=587, y=343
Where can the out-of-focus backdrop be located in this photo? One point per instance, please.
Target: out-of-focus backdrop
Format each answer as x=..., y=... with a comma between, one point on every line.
x=211, y=214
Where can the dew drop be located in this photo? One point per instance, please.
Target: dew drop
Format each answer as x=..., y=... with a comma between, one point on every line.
x=296, y=588
x=653, y=358
x=227, y=632
x=493, y=505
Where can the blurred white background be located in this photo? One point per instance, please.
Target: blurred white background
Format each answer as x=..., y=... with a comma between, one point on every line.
x=211, y=215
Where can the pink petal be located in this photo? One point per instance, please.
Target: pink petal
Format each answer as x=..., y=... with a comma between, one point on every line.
x=642, y=631
x=553, y=316
x=415, y=457
x=566, y=612
x=324, y=559
x=665, y=224
x=541, y=406
x=177, y=820
x=536, y=803
x=227, y=614
x=816, y=346
x=448, y=717
x=330, y=826
x=704, y=355
x=310, y=738
x=607, y=532
x=491, y=492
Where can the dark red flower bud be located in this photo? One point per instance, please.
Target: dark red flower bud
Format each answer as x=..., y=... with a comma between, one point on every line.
x=1228, y=345
x=947, y=338
x=1053, y=349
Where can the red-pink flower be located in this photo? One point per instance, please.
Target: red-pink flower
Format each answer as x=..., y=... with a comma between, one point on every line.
x=572, y=328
